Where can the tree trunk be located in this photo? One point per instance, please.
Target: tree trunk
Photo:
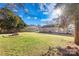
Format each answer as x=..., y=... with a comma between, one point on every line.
x=77, y=30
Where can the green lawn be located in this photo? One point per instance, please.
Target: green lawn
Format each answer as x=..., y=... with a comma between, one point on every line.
x=30, y=43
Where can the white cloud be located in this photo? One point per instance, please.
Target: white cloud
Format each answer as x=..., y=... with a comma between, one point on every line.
x=48, y=21
x=45, y=13
x=26, y=10
x=20, y=15
x=43, y=7
x=35, y=17
x=51, y=13
x=43, y=20
x=28, y=17
x=15, y=10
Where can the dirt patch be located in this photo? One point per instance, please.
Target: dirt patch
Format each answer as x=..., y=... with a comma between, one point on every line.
x=70, y=49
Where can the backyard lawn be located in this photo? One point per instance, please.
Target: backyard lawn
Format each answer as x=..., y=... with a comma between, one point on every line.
x=30, y=43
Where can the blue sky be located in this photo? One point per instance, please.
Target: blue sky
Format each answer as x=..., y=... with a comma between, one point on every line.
x=34, y=13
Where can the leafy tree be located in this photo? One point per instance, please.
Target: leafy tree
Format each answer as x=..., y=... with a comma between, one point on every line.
x=10, y=22
x=71, y=9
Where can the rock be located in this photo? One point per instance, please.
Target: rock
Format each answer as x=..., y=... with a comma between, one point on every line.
x=14, y=34
x=69, y=47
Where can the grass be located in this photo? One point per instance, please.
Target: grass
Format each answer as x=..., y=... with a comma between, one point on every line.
x=30, y=43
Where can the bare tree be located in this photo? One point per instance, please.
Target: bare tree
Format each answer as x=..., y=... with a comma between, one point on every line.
x=72, y=9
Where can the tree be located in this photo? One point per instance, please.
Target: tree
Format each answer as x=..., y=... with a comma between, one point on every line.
x=71, y=10
x=9, y=22
x=64, y=23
